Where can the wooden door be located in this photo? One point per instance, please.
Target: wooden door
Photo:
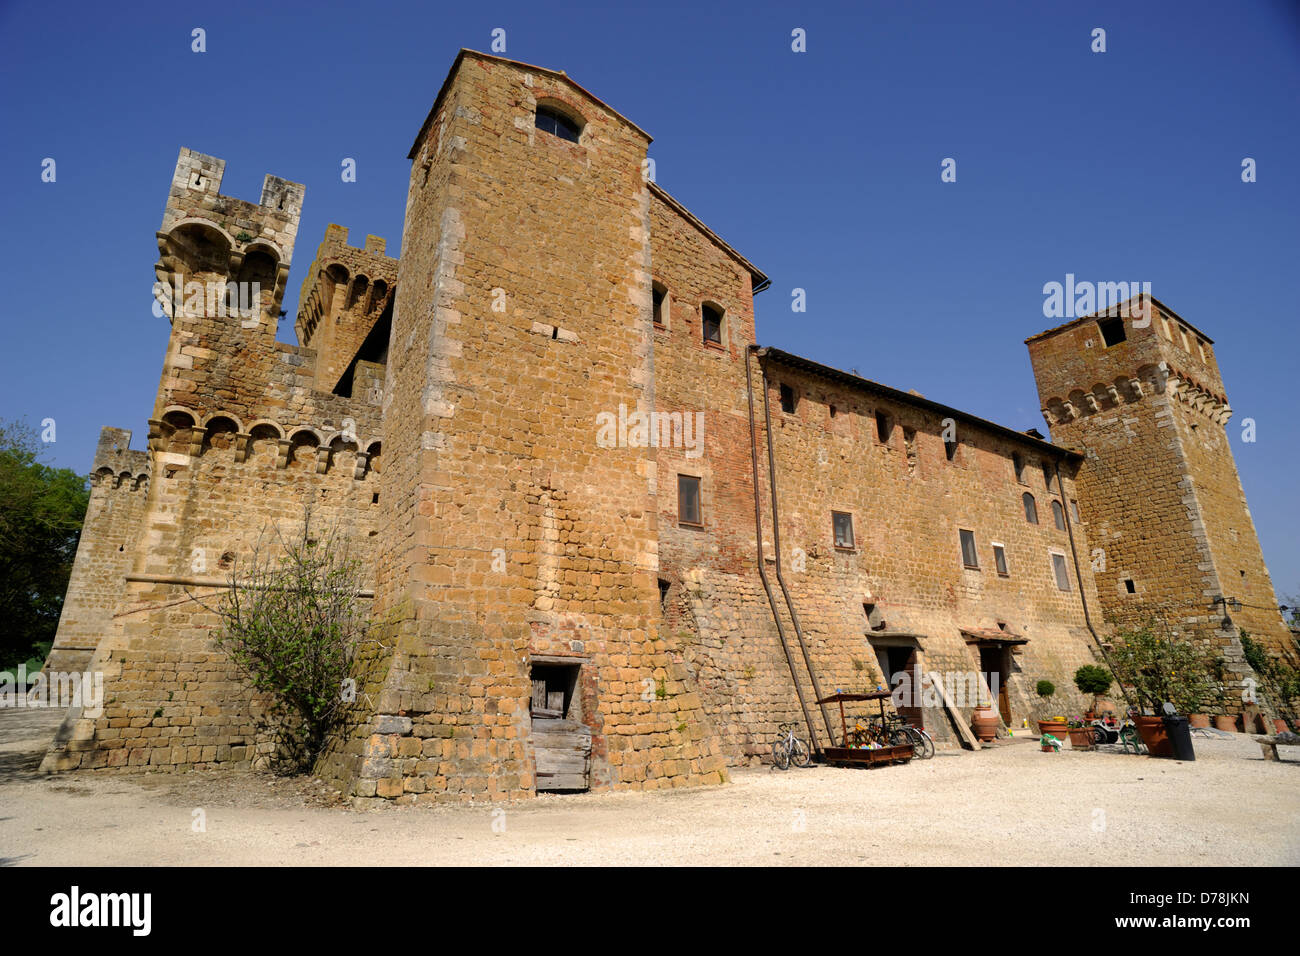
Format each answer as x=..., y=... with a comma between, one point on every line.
x=993, y=664
x=904, y=659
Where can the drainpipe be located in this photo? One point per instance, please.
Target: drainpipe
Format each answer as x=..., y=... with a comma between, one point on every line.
x=776, y=545
x=1078, y=576
x=762, y=571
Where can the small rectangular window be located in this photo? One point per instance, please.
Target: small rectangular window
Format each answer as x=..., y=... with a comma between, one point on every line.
x=787, y=399
x=688, y=500
x=1129, y=586
x=1074, y=511
x=884, y=427
x=712, y=323
x=1112, y=331
x=1000, y=560
x=969, y=556
x=659, y=295
x=842, y=524
x=1059, y=569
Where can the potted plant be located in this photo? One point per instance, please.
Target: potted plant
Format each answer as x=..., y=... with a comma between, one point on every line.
x=1081, y=736
x=1056, y=726
x=1157, y=670
x=1094, y=680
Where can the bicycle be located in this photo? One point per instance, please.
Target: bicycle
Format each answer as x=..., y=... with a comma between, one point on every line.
x=788, y=749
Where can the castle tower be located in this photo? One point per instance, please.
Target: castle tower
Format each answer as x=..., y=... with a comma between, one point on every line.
x=345, y=308
x=1136, y=388
x=517, y=558
x=119, y=487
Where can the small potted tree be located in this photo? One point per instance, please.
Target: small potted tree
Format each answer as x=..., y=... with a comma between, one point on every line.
x=1094, y=680
x=1158, y=670
x=1056, y=726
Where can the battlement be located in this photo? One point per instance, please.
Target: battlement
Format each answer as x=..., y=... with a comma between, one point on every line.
x=204, y=233
x=115, y=458
x=344, y=295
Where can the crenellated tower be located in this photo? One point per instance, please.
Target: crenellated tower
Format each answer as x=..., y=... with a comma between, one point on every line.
x=1137, y=389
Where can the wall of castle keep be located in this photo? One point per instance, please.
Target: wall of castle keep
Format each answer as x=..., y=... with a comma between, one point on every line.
x=501, y=453
x=1160, y=488
x=466, y=417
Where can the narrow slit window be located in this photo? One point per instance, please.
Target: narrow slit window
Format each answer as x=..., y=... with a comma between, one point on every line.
x=660, y=298
x=1000, y=560
x=1018, y=463
x=1047, y=476
x=884, y=427
x=1074, y=511
x=1031, y=508
x=712, y=322
x=950, y=448
x=787, y=399
x=969, y=556
x=1129, y=586
x=1058, y=515
x=1059, y=569
x=688, y=500
x=842, y=525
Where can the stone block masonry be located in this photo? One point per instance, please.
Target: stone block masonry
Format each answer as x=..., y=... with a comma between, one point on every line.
x=552, y=606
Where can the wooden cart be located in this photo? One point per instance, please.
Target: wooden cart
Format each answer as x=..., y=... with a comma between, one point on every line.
x=847, y=756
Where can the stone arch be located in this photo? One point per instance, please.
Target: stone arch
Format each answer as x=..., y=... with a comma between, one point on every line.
x=373, y=450
x=102, y=477
x=229, y=416
x=220, y=432
x=1077, y=400
x=1055, y=408
x=264, y=441
x=177, y=425
x=141, y=481
x=259, y=268
x=378, y=293
x=357, y=292
x=343, y=452
x=303, y=443
x=198, y=246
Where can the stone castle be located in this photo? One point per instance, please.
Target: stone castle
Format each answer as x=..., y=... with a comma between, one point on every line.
x=570, y=605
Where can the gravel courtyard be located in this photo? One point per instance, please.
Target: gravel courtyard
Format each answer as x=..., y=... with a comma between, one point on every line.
x=1009, y=804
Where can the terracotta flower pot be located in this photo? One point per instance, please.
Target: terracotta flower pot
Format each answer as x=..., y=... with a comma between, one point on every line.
x=1155, y=736
x=1280, y=725
x=1225, y=723
x=1199, y=720
x=1057, y=728
x=1081, y=738
x=985, y=724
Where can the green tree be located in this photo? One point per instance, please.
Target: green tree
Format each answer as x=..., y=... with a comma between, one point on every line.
x=41, y=511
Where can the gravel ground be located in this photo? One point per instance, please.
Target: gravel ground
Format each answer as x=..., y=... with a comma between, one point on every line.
x=1008, y=804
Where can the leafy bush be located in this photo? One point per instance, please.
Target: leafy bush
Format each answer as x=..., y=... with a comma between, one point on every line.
x=293, y=625
x=1045, y=688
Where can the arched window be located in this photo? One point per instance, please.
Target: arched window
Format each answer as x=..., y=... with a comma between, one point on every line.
x=1031, y=508
x=1058, y=515
x=552, y=121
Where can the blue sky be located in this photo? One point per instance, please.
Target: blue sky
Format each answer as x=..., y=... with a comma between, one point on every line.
x=822, y=167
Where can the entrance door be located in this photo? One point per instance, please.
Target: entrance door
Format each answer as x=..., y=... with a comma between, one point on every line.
x=897, y=659
x=561, y=741
x=993, y=660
